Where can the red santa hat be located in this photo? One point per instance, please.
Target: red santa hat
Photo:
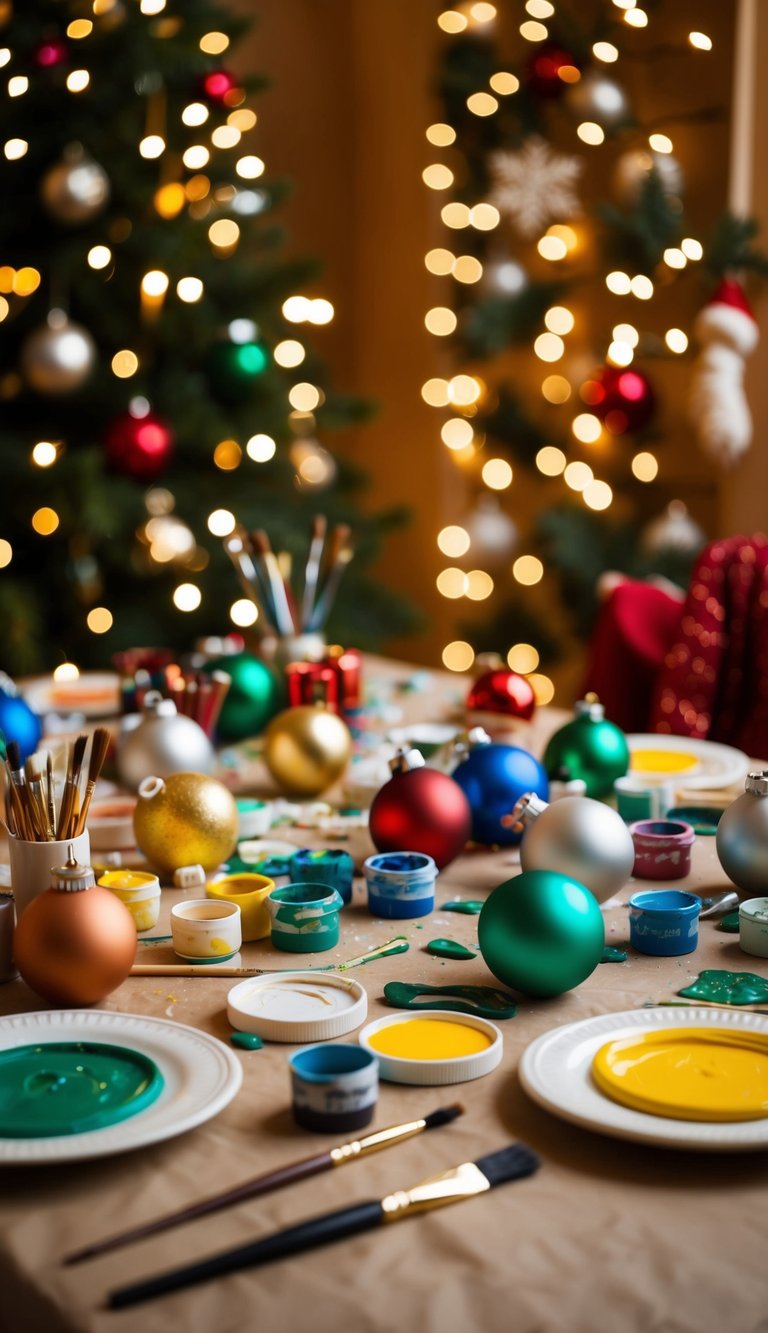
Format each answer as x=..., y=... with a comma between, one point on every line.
x=728, y=318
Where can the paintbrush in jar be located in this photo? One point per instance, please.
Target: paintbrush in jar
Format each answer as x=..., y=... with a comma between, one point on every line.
x=18, y=781
x=34, y=770
x=340, y=554
x=99, y=746
x=69, y=801
x=268, y=559
x=312, y=571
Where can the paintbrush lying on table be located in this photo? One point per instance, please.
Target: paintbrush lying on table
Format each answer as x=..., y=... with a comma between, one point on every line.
x=272, y=1180
x=460, y=1182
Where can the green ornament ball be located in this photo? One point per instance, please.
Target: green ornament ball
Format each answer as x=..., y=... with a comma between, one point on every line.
x=541, y=933
x=254, y=697
x=590, y=748
x=234, y=369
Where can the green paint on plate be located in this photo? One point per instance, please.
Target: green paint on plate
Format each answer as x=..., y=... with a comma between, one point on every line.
x=611, y=955
x=449, y=949
x=482, y=1000
x=72, y=1087
x=727, y=987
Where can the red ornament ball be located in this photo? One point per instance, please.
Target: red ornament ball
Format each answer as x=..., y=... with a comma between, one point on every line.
x=623, y=399
x=503, y=692
x=51, y=53
x=218, y=84
x=139, y=447
x=550, y=70
x=421, y=810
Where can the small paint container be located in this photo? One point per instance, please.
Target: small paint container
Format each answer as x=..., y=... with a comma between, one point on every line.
x=433, y=1049
x=250, y=892
x=254, y=818
x=110, y=823
x=642, y=797
x=138, y=891
x=305, y=917
x=664, y=922
x=204, y=931
x=264, y=856
x=297, y=1007
x=327, y=866
x=335, y=1087
x=662, y=848
x=753, y=927
x=400, y=884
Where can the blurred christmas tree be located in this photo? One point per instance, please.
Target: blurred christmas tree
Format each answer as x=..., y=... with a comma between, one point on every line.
x=155, y=383
x=569, y=253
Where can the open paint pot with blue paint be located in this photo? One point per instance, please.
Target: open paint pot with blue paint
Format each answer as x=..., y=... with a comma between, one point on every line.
x=662, y=848
x=664, y=922
x=327, y=866
x=335, y=1087
x=305, y=917
x=400, y=884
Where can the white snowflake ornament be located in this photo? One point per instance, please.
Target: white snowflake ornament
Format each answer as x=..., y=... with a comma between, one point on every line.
x=534, y=185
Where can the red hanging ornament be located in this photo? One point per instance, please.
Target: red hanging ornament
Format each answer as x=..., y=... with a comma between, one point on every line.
x=504, y=693
x=139, y=447
x=52, y=53
x=550, y=70
x=420, y=810
x=218, y=84
x=622, y=398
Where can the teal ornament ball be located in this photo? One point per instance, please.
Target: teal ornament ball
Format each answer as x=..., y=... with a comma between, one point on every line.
x=589, y=748
x=254, y=697
x=541, y=933
x=235, y=369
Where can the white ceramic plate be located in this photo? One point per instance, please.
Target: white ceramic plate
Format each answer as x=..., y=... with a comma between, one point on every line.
x=201, y=1077
x=94, y=694
x=555, y=1072
x=717, y=765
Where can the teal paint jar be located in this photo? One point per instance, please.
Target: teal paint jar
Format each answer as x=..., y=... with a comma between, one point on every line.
x=305, y=917
x=327, y=866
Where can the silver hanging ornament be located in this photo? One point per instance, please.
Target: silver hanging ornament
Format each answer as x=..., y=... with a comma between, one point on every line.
x=492, y=534
x=163, y=742
x=579, y=837
x=598, y=98
x=75, y=189
x=742, y=837
x=634, y=168
x=673, y=530
x=59, y=356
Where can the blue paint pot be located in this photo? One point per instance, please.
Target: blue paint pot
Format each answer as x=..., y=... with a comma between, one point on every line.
x=327, y=866
x=664, y=922
x=400, y=884
x=335, y=1086
x=305, y=917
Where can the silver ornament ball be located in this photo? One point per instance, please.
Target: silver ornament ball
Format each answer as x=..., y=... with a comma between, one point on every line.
x=75, y=189
x=742, y=837
x=633, y=169
x=579, y=837
x=59, y=356
x=162, y=743
x=492, y=533
x=598, y=98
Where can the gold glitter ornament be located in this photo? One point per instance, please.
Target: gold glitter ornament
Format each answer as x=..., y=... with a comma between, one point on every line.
x=185, y=819
x=306, y=749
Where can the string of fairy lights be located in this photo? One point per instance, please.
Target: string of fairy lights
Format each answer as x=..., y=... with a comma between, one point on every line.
x=166, y=537
x=461, y=396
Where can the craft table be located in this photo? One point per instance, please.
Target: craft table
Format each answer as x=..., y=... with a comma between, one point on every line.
x=609, y=1237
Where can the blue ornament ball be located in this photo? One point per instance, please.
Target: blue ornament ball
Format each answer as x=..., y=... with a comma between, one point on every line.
x=18, y=723
x=493, y=778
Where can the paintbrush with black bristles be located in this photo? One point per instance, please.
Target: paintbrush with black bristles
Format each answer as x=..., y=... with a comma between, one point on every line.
x=273, y=1180
x=99, y=746
x=460, y=1182
x=69, y=800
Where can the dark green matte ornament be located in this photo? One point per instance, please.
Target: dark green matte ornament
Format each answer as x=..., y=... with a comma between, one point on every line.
x=589, y=748
x=541, y=933
x=254, y=697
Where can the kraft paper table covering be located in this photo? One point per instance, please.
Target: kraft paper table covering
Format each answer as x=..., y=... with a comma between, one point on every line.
x=609, y=1235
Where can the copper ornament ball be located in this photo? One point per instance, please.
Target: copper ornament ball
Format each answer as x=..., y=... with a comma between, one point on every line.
x=74, y=948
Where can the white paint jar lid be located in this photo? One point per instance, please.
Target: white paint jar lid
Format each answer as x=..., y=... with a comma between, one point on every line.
x=753, y=927
x=297, y=1007
x=444, y=1069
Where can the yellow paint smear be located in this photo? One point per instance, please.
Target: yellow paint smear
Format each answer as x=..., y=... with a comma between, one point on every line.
x=662, y=761
x=429, y=1039
x=687, y=1073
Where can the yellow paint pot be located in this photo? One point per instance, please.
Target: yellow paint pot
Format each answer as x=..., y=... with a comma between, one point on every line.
x=433, y=1049
x=250, y=892
x=711, y=1074
x=139, y=892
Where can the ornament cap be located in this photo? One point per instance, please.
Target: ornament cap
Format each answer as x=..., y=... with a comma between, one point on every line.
x=406, y=760
x=589, y=707
x=149, y=787
x=73, y=877
x=8, y=686
x=156, y=705
x=527, y=810
x=470, y=740
x=757, y=783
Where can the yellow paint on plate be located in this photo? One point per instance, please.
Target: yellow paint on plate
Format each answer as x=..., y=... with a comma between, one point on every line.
x=687, y=1073
x=429, y=1039
x=663, y=761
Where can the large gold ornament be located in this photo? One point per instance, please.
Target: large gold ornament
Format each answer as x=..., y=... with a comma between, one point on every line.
x=186, y=819
x=306, y=749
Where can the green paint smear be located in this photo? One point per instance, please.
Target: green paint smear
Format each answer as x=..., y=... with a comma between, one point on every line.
x=482, y=1000
x=727, y=987
x=449, y=949
x=729, y=923
x=469, y=907
x=247, y=1041
x=611, y=955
